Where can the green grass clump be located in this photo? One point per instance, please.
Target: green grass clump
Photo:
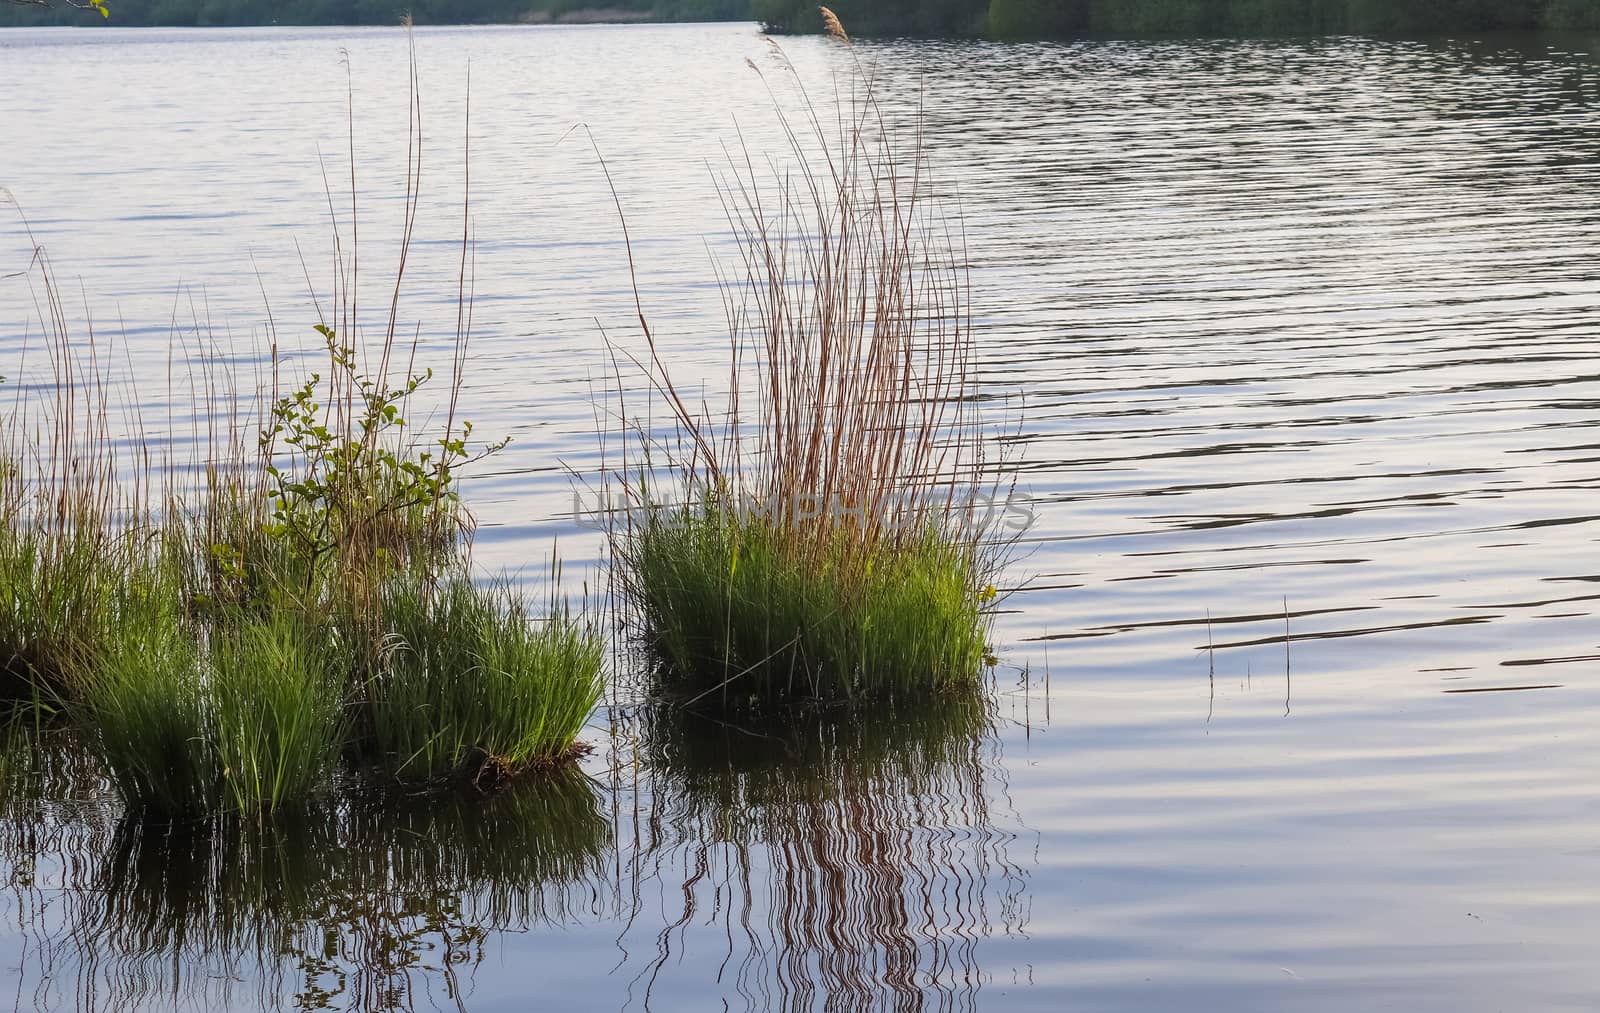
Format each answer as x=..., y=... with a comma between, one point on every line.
x=245, y=719
x=466, y=690
x=142, y=704
x=56, y=594
x=210, y=649
x=276, y=695
x=739, y=610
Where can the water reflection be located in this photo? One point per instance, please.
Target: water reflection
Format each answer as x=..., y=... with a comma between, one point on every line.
x=368, y=905
x=833, y=863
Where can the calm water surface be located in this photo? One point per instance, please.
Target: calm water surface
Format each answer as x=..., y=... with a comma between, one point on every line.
x=1296, y=348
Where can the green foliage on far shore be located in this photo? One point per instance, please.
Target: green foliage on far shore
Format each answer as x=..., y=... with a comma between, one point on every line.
x=932, y=18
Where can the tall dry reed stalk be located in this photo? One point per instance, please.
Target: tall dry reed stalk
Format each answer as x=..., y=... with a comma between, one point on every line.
x=831, y=25
x=74, y=505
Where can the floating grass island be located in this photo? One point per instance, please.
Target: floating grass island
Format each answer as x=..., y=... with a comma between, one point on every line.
x=293, y=609
x=831, y=537
x=311, y=608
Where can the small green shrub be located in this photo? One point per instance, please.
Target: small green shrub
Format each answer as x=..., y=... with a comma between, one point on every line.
x=354, y=492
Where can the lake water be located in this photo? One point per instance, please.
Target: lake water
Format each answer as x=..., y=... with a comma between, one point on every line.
x=1297, y=349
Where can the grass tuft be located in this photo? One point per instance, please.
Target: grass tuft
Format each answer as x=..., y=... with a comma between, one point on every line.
x=142, y=702
x=55, y=605
x=467, y=691
x=248, y=722
x=276, y=698
x=69, y=527
x=736, y=609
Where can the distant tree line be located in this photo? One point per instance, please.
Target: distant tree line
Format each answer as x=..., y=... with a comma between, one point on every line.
x=1002, y=18
x=1267, y=17
x=1056, y=18
x=879, y=17
x=359, y=12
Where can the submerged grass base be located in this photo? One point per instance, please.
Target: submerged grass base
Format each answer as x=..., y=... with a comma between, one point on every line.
x=779, y=762
x=740, y=612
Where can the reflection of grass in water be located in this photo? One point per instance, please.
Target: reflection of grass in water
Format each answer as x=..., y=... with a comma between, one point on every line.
x=813, y=756
x=54, y=816
x=17, y=739
x=852, y=857
x=359, y=902
x=46, y=779
x=360, y=906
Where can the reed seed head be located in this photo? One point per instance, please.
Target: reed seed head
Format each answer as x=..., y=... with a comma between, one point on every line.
x=831, y=25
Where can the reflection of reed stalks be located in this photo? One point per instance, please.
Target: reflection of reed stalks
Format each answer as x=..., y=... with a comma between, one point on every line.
x=849, y=863
x=51, y=819
x=366, y=907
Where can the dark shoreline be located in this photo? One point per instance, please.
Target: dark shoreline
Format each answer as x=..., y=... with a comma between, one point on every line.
x=929, y=19
x=1071, y=19
x=354, y=13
